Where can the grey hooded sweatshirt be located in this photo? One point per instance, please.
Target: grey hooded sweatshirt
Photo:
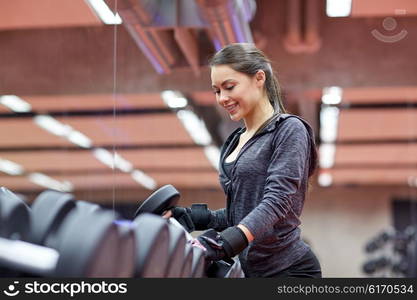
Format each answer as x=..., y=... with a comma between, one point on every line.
x=266, y=191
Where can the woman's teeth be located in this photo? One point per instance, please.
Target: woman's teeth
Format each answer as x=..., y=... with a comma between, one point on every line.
x=230, y=108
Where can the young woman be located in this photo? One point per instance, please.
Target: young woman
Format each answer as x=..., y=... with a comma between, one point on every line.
x=264, y=172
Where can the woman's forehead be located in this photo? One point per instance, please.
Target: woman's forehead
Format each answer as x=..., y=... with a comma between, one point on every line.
x=221, y=73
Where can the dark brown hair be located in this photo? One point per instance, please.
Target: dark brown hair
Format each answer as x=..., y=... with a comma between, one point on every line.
x=246, y=58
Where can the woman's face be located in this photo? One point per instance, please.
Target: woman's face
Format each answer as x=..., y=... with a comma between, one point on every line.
x=236, y=92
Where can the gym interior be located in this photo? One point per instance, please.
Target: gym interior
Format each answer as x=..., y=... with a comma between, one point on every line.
x=108, y=101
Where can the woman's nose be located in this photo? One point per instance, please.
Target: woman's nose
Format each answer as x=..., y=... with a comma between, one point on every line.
x=223, y=98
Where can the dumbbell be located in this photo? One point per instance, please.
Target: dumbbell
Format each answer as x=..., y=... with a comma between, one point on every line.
x=177, y=242
x=88, y=241
x=124, y=262
x=14, y=216
x=143, y=245
x=235, y=270
x=152, y=242
x=87, y=207
x=198, y=264
x=48, y=212
x=136, y=240
x=164, y=199
x=14, y=222
x=186, y=270
x=376, y=264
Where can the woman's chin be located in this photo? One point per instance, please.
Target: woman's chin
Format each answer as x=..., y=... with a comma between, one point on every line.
x=235, y=117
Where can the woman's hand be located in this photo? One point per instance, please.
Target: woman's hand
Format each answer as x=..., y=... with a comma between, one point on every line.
x=225, y=244
x=167, y=214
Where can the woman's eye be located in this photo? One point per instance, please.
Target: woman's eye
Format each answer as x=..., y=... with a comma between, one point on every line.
x=229, y=88
x=216, y=92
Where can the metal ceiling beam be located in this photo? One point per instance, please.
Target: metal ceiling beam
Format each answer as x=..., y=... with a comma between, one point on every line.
x=138, y=21
x=152, y=22
x=228, y=20
x=302, y=32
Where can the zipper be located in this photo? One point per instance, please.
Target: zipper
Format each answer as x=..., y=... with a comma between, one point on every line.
x=228, y=184
x=259, y=132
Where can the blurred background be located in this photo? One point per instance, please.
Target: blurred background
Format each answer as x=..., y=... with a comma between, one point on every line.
x=110, y=100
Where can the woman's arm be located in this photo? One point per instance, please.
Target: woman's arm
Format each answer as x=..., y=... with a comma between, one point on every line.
x=247, y=233
x=286, y=172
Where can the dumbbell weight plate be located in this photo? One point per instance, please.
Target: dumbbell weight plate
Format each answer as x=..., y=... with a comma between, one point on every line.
x=89, y=245
x=127, y=250
x=48, y=211
x=186, y=271
x=161, y=200
x=86, y=206
x=237, y=271
x=198, y=266
x=176, y=250
x=88, y=250
x=152, y=241
x=14, y=216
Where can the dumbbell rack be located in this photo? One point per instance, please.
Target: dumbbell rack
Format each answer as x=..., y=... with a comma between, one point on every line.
x=392, y=253
x=59, y=236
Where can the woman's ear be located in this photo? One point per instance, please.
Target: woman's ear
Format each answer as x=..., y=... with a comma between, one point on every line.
x=260, y=78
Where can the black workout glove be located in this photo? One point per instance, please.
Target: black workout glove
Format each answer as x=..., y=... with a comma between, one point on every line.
x=195, y=218
x=223, y=245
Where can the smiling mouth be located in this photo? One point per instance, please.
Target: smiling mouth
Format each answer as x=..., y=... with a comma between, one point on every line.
x=231, y=108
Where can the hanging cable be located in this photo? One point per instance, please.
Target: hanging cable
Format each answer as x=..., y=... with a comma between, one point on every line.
x=114, y=109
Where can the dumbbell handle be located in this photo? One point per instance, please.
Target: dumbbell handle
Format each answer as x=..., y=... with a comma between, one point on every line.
x=27, y=257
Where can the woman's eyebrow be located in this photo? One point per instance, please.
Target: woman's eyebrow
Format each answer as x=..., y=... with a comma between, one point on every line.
x=223, y=83
x=227, y=81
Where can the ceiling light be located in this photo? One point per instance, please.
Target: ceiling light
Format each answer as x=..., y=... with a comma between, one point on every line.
x=145, y=180
x=113, y=160
x=326, y=155
x=15, y=103
x=213, y=155
x=174, y=99
x=122, y=164
x=325, y=179
x=329, y=118
x=52, y=125
x=338, y=8
x=195, y=127
x=79, y=139
x=412, y=181
x=105, y=156
x=50, y=183
x=104, y=12
x=332, y=95
x=10, y=167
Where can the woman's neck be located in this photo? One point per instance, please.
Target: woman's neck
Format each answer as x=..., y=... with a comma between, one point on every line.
x=258, y=116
